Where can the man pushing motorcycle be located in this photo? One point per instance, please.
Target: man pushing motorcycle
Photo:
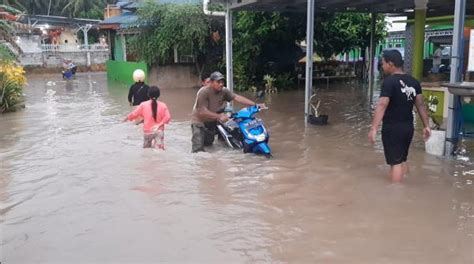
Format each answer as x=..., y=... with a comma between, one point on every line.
x=208, y=109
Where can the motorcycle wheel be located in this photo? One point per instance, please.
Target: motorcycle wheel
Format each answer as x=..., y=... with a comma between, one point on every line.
x=246, y=148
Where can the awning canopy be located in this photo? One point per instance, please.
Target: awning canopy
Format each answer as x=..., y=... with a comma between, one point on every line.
x=57, y=20
x=435, y=7
x=459, y=8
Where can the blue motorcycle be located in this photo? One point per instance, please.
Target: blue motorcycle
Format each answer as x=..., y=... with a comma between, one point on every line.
x=244, y=131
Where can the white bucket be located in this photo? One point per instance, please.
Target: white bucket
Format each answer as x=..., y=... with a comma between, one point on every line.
x=435, y=144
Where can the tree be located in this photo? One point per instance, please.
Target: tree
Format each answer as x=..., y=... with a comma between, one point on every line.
x=339, y=33
x=7, y=32
x=71, y=8
x=260, y=38
x=166, y=26
x=85, y=8
x=34, y=7
x=13, y=3
x=262, y=43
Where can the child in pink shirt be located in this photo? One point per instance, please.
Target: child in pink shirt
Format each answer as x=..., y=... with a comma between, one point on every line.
x=155, y=115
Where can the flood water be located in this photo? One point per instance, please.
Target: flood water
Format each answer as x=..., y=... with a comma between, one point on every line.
x=77, y=187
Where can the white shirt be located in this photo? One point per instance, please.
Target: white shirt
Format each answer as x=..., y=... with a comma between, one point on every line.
x=437, y=57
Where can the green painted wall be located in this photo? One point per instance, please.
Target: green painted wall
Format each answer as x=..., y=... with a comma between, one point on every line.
x=468, y=112
x=122, y=71
x=426, y=50
x=443, y=21
x=467, y=108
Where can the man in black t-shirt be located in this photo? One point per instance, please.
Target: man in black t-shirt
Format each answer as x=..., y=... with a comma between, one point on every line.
x=400, y=92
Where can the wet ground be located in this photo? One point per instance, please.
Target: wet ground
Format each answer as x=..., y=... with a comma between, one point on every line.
x=76, y=187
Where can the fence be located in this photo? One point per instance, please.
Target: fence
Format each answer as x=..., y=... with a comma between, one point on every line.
x=73, y=48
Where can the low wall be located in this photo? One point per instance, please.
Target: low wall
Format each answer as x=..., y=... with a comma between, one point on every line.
x=174, y=76
x=55, y=59
x=168, y=76
x=31, y=59
x=34, y=69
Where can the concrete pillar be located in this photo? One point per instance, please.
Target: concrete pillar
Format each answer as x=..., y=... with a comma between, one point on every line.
x=408, y=48
x=452, y=134
x=124, y=47
x=419, y=38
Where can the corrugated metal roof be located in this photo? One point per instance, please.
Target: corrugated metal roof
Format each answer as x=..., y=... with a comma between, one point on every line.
x=126, y=19
x=123, y=4
x=57, y=20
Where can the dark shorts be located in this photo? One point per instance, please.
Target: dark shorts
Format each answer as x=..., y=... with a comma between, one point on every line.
x=203, y=135
x=396, y=139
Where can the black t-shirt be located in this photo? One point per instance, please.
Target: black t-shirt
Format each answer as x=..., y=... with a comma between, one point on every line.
x=139, y=93
x=402, y=90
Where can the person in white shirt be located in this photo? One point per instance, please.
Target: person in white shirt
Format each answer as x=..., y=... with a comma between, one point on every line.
x=436, y=60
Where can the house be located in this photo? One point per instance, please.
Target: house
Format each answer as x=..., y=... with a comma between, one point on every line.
x=48, y=40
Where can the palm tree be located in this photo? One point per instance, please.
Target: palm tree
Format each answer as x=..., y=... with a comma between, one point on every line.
x=36, y=7
x=14, y=4
x=69, y=8
x=74, y=7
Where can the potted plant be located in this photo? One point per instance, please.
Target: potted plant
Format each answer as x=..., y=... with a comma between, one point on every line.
x=269, y=84
x=435, y=144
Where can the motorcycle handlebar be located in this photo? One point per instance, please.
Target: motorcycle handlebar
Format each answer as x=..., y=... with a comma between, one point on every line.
x=262, y=107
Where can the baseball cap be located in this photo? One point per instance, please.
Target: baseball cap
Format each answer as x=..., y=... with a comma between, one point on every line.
x=217, y=76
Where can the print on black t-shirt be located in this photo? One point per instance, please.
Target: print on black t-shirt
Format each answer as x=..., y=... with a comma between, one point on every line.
x=402, y=90
x=410, y=92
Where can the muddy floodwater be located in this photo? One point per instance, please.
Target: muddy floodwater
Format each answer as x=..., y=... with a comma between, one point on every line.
x=76, y=186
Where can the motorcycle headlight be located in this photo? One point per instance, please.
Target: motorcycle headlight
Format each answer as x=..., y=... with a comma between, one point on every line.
x=259, y=138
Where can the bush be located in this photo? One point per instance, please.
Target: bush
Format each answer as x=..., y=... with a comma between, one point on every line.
x=12, y=80
x=5, y=53
x=431, y=103
x=284, y=81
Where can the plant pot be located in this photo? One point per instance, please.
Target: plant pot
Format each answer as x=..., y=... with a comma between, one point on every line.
x=436, y=142
x=320, y=120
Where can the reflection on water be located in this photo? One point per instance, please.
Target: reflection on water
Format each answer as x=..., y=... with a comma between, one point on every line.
x=76, y=187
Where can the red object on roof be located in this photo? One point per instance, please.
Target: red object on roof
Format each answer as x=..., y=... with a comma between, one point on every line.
x=8, y=16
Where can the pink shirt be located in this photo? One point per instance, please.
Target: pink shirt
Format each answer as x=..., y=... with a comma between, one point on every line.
x=149, y=124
